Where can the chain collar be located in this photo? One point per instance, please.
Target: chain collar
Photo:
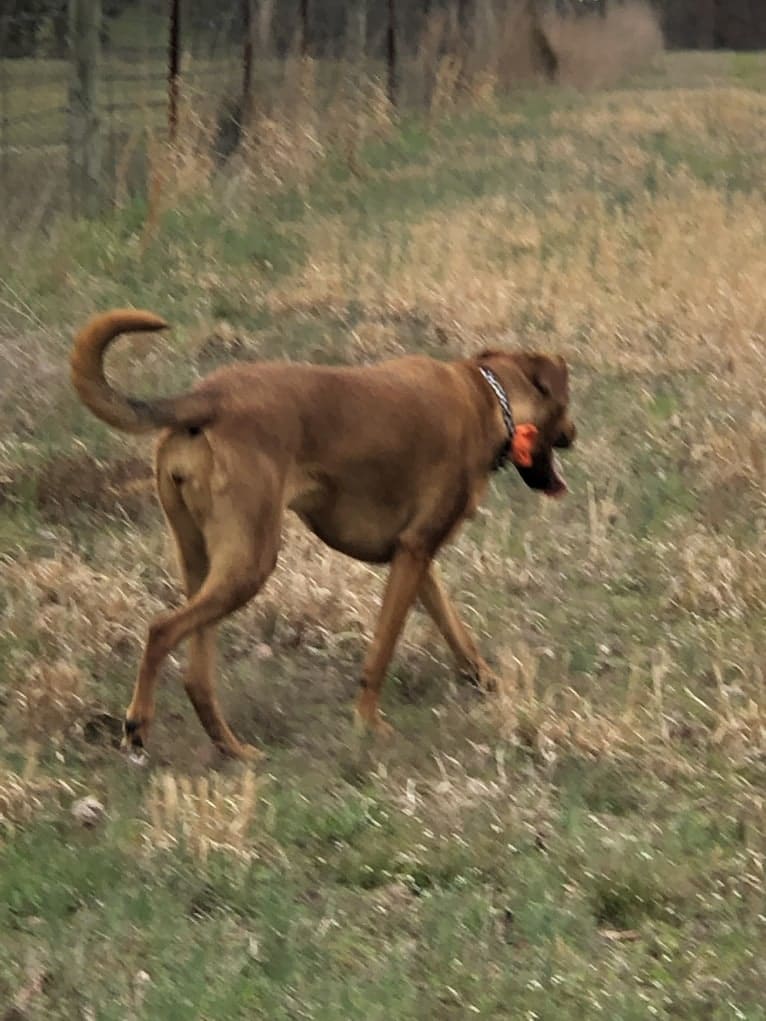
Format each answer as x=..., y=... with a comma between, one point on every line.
x=505, y=407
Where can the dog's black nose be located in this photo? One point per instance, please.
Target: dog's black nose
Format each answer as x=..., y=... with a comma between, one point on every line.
x=566, y=437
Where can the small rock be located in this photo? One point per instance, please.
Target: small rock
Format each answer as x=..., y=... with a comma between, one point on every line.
x=88, y=811
x=141, y=982
x=254, y=948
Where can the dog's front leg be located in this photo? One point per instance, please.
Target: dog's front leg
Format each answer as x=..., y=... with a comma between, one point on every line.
x=407, y=571
x=443, y=613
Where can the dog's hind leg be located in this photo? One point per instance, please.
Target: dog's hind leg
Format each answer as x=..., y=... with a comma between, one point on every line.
x=441, y=610
x=200, y=687
x=404, y=580
x=239, y=555
x=199, y=680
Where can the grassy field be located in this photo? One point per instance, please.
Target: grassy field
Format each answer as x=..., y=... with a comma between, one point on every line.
x=588, y=843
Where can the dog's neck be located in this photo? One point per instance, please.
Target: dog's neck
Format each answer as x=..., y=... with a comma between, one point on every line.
x=497, y=388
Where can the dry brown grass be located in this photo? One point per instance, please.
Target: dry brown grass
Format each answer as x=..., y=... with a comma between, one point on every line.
x=689, y=241
x=671, y=285
x=598, y=52
x=215, y=814
x=30, y=794
x=505, y=46
x=711, y=576
x=283, y=144
x=176, y=171
x=31, y=381
x=599, y=819
x=75, y=482
x=78, y=619
x=288, y=140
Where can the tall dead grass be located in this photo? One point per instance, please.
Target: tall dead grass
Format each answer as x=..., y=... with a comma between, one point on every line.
x=290, y=136
x=631, y=286
x=662, y=287
x=665, y=289
x=598, y=52
x=31, y=793
x=303, y=109
x=510, y=45
x=212, y=815
x=65, y=621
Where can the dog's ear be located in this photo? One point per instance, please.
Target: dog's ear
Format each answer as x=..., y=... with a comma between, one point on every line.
x=548, y=374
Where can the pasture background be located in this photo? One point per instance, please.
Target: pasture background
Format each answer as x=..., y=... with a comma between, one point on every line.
x=591, y=841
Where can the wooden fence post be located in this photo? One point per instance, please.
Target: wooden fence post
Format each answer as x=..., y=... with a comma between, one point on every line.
x=247, y=63
x=174, y=67
x=360, y=36
x=84, y=122
x=304, y=28
x=544, y=51
x=4, y=114
x=391, y=55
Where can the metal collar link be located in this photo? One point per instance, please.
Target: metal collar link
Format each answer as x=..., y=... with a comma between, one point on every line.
x=505, y=407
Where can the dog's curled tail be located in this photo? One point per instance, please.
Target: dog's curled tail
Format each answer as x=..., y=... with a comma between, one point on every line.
x=130, y=414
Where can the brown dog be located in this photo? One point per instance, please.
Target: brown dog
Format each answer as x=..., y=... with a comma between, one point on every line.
x=382, y=463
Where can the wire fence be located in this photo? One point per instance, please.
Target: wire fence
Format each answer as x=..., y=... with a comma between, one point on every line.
x=85, y=92
x=38, y=91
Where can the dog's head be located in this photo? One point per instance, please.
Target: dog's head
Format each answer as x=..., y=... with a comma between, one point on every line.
x=537, y=386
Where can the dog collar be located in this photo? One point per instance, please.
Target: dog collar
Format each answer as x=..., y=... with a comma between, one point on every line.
x=501, y=458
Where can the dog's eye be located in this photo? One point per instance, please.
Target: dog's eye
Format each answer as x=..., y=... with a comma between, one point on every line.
x=541, y=387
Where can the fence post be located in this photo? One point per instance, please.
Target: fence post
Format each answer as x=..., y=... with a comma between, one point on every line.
x=174, y=62
x=4, y=114
x=263, y=33
x=391, y=55
x=247, y=62
x=84, y=125
x=304, y=28
x=360, y=40
x=544, y=51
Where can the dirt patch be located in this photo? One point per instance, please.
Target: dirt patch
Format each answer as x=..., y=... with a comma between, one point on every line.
x=76, y=481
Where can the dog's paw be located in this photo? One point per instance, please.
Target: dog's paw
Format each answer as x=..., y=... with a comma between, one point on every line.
x=249, y=753
x=481, y=676
x=137, y=757
x=134, y=751
x=238, y=751
x=382, y=729
x=372, y=724
x=133, y=730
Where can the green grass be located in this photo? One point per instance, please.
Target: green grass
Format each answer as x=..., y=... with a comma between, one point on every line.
x=587, y=844
x=365, y=910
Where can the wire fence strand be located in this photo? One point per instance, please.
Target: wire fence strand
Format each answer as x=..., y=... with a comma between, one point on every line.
x=225, y=65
